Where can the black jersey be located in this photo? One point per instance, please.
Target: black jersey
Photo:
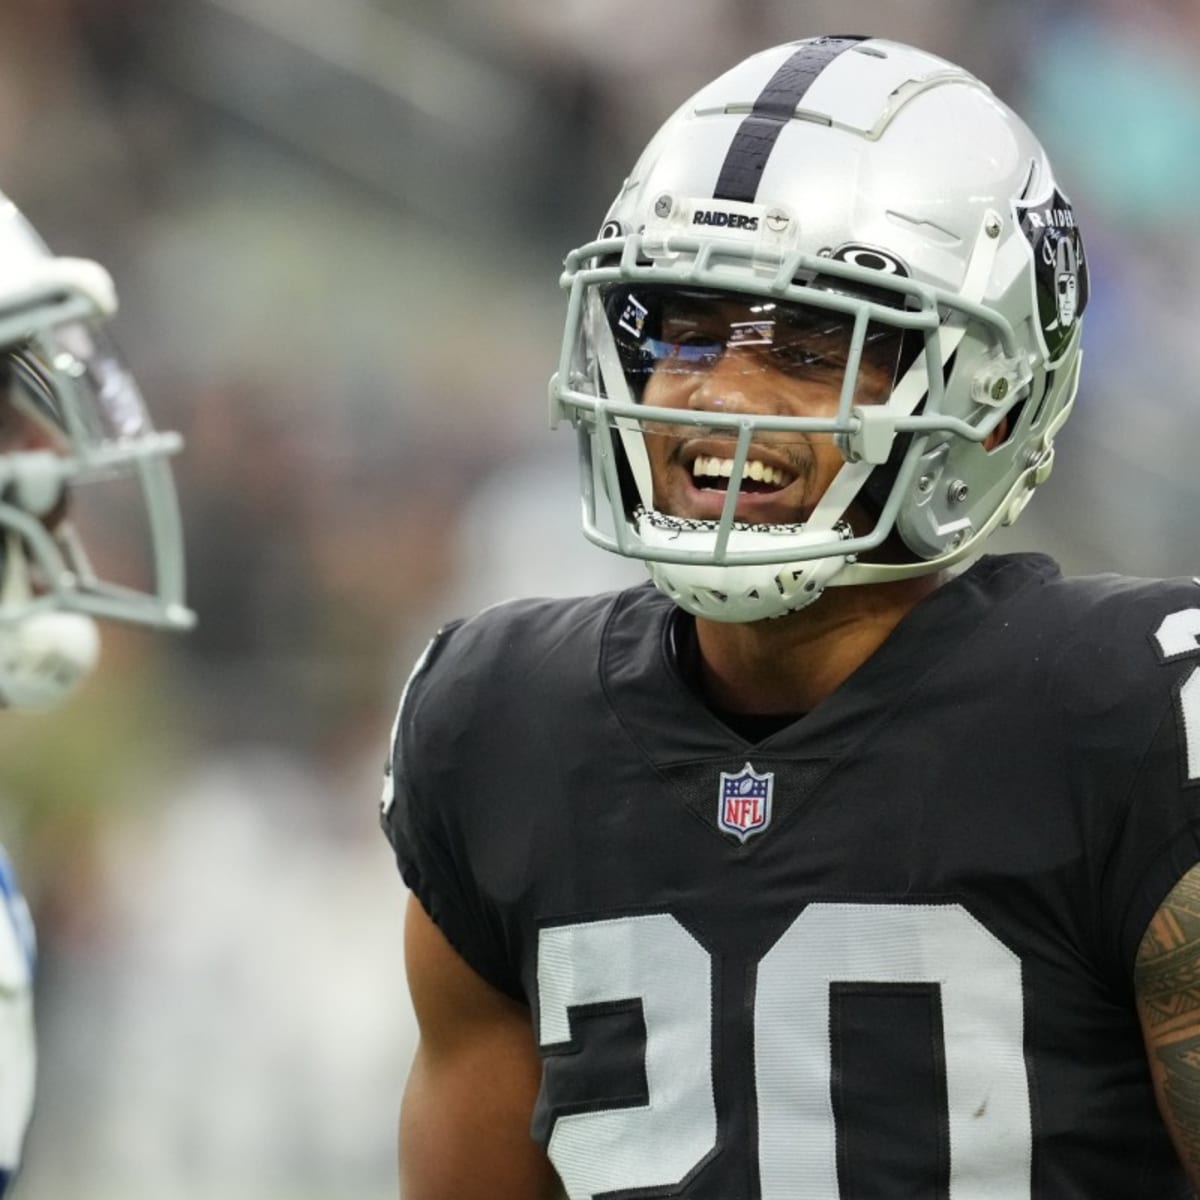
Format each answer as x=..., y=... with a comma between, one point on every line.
x=885, y=952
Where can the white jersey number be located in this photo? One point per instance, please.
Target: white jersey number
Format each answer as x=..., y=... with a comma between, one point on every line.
x=1179, y=637
x=656, y=960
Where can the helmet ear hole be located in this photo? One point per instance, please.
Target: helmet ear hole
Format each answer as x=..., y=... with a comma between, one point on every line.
x=1004, y=432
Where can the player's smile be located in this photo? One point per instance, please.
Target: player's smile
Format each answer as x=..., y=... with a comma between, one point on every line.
x=697, y=475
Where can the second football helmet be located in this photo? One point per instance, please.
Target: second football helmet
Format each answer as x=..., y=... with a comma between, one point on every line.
x=847, y=204
x=71, y=416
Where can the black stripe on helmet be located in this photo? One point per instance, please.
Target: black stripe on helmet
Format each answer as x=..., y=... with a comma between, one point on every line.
x=755, y=139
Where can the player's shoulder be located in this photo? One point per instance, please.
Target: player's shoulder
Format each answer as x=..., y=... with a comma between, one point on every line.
x=1107, y=636
x=1121, y=610
x=510, y=654
x=1031, y=592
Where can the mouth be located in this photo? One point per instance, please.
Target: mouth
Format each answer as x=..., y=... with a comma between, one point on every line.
x=771, y=489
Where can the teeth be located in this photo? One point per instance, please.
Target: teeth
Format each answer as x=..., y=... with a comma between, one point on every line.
x=714, y=468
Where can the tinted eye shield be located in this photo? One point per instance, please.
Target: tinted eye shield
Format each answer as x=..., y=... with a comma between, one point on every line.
x=582, y=389
x=592, y=386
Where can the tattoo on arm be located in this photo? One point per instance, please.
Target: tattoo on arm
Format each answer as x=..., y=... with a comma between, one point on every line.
x=1167, y=981
x=1167, y=973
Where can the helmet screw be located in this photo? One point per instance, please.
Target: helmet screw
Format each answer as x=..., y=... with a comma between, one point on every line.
x=777, y=220
x=958, y=491
x=992, y=228
x=925, y=484
x=1000, y=388
x=957, y=540
x=663, y=206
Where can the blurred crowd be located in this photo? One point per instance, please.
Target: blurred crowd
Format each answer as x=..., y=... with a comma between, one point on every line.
x=337, y=230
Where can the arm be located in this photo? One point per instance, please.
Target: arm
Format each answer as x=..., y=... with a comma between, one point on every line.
x=464, y=1124
x=1167, y=985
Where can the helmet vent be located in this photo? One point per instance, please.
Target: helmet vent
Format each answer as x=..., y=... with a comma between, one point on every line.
x=926, y=229
x=1030, y=179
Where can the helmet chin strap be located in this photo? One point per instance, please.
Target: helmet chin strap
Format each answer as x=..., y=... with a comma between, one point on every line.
x=739, y=594
x=43, y=656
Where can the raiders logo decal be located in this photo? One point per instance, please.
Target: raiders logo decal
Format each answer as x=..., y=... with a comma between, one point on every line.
x=1059, y=269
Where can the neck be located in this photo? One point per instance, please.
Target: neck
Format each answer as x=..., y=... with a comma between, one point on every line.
x=789, y=665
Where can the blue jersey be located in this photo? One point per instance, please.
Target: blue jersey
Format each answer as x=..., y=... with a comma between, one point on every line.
x=17, y=1048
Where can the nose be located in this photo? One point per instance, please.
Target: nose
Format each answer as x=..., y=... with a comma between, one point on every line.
x=737, y=382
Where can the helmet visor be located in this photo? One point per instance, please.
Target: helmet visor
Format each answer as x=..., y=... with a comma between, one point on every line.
x=73, y=380
x=714, y=350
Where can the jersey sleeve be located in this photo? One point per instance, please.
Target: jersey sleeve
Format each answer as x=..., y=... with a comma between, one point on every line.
x=1155, y=727
x=1158, y=841
x=421, y=817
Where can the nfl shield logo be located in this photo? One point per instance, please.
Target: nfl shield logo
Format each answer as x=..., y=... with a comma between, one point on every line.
x=744, y=804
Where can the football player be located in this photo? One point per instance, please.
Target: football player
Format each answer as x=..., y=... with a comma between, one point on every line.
x=833, y=864
x=72, y=425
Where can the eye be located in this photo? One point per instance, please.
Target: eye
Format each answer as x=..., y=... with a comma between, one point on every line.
x=693, y=327
x=805, y=359
x=693, y=349
x=698, y=347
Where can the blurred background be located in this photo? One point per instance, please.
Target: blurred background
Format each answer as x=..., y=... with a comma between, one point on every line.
x=337, y=230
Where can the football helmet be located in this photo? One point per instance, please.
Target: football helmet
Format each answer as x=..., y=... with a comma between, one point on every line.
x=842, y=205
x=71, y=417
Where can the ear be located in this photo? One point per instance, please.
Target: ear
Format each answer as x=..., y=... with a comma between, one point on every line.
x=997, y=436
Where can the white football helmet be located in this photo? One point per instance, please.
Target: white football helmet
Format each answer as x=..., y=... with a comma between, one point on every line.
x=71, y=416
x=884, y=199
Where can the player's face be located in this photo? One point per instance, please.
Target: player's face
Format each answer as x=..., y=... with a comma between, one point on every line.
x=744, y=355
x=21, y=427
x=24, y=428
